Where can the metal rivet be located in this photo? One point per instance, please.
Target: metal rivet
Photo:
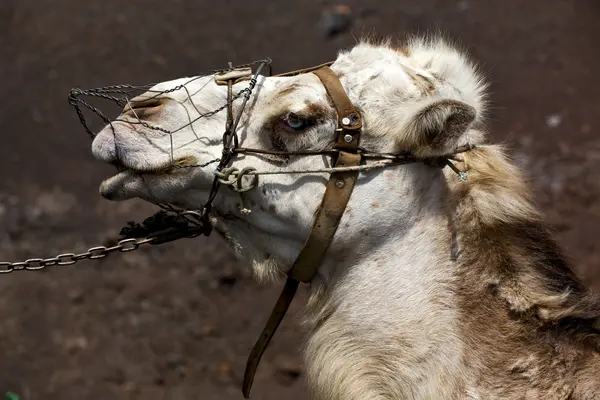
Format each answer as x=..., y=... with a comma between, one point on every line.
x=348, y=138
x=346, y=121
x=339, y=184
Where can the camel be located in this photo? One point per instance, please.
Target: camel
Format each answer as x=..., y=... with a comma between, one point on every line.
x=433, y=287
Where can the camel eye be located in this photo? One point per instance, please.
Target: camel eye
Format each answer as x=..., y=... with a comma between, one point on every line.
x=295, y=122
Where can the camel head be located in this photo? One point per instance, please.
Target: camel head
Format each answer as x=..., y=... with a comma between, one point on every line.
x=423, y=98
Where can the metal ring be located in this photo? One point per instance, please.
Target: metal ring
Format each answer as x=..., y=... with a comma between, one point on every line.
x=19, y=265
x=131, y=245
x=6, y=270
x=97, y=252
x=225, y=177
x=39, y=261
x=251, y=185
x=66, y=259
x=48, y=262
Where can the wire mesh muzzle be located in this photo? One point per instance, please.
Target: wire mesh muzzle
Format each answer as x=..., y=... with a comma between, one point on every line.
x=126, y=95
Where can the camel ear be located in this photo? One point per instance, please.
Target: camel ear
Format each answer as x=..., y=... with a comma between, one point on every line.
x=437, y=127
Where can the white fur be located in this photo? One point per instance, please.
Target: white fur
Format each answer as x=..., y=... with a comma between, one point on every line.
x=382, y=317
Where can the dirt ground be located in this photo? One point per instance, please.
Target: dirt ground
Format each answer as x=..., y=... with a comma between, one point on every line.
x=177, y=321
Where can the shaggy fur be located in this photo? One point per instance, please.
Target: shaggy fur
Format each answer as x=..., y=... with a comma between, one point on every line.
x=527, y=319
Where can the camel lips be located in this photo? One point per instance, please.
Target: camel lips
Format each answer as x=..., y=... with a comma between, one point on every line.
x=115, y=187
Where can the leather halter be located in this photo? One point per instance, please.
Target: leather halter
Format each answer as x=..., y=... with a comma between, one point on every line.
x=337, y=193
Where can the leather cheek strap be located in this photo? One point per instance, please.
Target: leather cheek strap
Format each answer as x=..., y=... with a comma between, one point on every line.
x=337, y=194
x=338, y=191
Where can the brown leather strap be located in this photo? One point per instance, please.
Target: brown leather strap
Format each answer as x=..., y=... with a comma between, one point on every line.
x=337, y=193
x=281, y=307
x=305, y=70
x=307, y=263
x=349, y=119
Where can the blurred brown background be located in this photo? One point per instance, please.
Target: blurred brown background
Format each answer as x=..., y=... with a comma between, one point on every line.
x=181, y=318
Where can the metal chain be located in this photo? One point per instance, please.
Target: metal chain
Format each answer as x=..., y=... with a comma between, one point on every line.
x=192, y=229
x=35, y=264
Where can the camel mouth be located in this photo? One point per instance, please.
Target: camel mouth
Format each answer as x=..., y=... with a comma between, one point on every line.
x=157, y=169
x=129, y=179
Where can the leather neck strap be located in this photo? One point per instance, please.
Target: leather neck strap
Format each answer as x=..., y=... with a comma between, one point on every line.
x=337, y=193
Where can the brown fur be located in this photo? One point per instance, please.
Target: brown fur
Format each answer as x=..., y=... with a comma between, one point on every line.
x=528, y=320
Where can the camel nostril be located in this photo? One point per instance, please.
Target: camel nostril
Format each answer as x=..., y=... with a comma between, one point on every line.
x=143, y=108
